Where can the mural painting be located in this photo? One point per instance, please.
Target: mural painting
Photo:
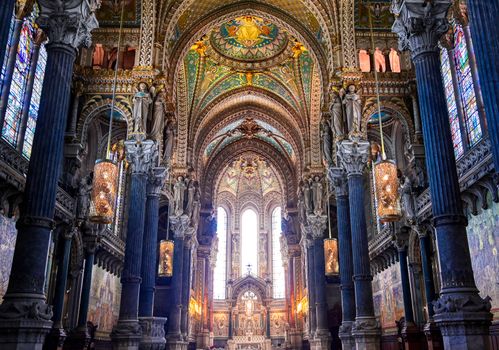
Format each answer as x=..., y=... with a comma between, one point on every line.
x=8, y=234
x=387, y=294
x=220, y=325
x=104, y=301
x=483, y=238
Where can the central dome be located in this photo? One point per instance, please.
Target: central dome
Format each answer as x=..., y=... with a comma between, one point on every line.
x=249, y=39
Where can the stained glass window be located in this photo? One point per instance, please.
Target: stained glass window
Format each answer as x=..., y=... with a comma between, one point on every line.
x=277, y=267
x=457, y=140
x=466, y=87
x=219, y=273
x=11, y=129
x=7, y=49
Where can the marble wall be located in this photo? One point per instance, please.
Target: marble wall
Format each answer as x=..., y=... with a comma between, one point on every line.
x=483, y=238
x=8, y=234
x=388, y=299
x=105, y=295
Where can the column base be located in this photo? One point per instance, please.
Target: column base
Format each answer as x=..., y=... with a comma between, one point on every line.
x=153, y=333
x=321, y=341
x=175, y=344
x=433, y=336
x=77, y=339
x=126, y=335
x=366, y=333
x=55, y=339
x=23, y=334
x=231, y=345
x=464, y=321
x=203, y=340
x=412, y=337
x=345, y=335
x=295, y=339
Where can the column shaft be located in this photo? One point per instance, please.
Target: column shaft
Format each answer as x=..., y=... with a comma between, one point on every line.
x=176, y=308
x=85, y=289
x=6, y=11
x=186, y=289
x=406, y=287
x=429, y=285
x=311, y=293
x=62, y=277
x=320, y=286
x=483, y=23
x=150, y=248
x=360, y=252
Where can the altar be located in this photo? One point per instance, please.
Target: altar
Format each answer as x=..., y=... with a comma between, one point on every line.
x=249, y=342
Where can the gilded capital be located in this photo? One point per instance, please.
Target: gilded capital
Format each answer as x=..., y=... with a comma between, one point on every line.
x=420, y=24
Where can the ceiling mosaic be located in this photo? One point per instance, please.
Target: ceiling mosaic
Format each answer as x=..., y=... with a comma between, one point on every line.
x=249, y=128
x=249, y=173
x=249, y=38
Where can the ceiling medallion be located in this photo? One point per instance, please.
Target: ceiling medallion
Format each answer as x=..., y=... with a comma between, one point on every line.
x=250, y=42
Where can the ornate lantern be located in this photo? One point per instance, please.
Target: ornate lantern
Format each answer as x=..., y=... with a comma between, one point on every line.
x=386, y=185
x=104, y=192
x=332, y=265
x=165, y=268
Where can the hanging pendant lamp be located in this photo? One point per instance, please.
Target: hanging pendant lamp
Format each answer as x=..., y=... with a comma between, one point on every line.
x=105, y=183
x=386, y=182
x=331, y=262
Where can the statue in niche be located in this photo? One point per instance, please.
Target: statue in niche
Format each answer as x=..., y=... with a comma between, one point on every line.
x=327, y=146
x=353, y=109
x=262, y=254
x=301, y=203
x=407, y=199
x=196, y=207
x=286, y=223
x=338, y=121
x=158, y=118
x=169, y=139
x=190, y=197
x=317, y=194
x=364, y=61
x=178, y=196
x=142, y=101
x=83, y=197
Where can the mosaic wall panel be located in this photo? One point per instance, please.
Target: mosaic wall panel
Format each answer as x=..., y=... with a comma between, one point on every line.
x=277, y=324
x=105, y=295
x=483, y=238
x=388, y=299
x=8, y=234
x=221, y=324
x=382, y=19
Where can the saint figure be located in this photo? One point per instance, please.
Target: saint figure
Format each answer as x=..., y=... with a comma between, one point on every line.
x=353, y=109
x=141, y=105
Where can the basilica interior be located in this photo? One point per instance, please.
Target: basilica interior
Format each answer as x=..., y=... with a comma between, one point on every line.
x=249, y=174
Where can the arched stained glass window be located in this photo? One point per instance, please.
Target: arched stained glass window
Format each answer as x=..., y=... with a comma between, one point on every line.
x=249, y=241
x=277, y=267
x=455, y=128
x=220, y=271
x=466, y=87
x=18, y=96
x=459, y=84
x=7, y=49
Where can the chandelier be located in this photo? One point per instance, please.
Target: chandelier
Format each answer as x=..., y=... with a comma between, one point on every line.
x=386, y=182
x=104, y=190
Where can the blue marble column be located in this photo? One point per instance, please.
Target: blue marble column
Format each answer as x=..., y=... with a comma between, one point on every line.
x=6, y=11
x=340, y=183
x=150, y=248
x=153, y=331
x=462, y=315
x=424, y=244
x=312, y=325
x=57, y=335
x=483, y=23
x=127, y=333
x=353, y=156
x=186, y=288
x=24, y=313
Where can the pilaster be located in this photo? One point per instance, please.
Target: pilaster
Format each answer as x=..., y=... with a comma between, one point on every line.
x=461, y=314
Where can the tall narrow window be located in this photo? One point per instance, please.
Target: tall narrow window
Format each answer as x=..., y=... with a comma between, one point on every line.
x=249, y=242
x=457, y=139
x=277, y=267
x=7, y=49
x=219, y=274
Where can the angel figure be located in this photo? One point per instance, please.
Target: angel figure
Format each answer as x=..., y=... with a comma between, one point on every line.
x=142, y=101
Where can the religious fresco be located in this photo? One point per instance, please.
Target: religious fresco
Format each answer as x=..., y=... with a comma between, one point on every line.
x=483, y=238
x=8, y=235
x=277, y=324
x=109, y=13
x=382, y=19
x=165, y=266
x=220, y=324
x=104, y=306
x=249, y=38
x=387, y=296
x=332, y=267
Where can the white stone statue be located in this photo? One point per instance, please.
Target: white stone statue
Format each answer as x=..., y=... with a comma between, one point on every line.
x=317, y=194
x=407, y=199
x=158, y=118
x=338, y=122
x=353, y=109
x=178, y=196
x=327, y=144
x=142, y=101
x=169, y=140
